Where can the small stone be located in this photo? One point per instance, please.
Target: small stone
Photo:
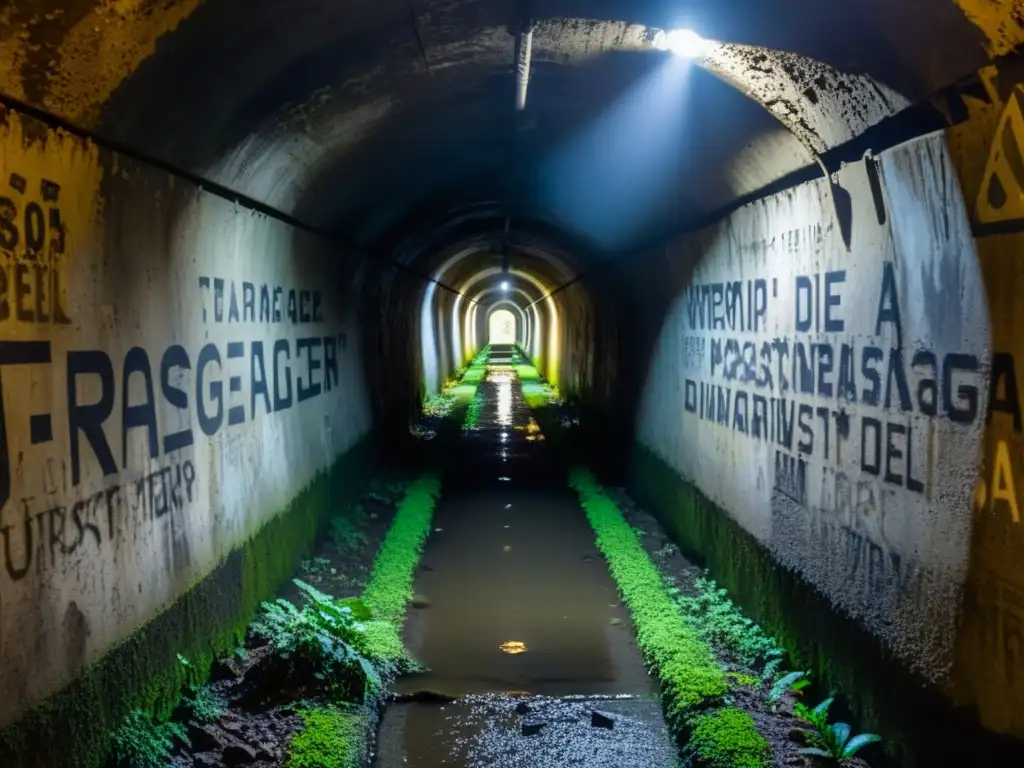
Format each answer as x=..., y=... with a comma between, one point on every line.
x=798, y=735
x=426, y=567
x=419, y=601
x=616, y=621
x=265, y=753
x=601, y=720
x=239, y=754
x=206, y=737
x=231, y=723
x=507, y=548
x=795, y=760
x=532, y=728
x=522, y=708
x=206, y=760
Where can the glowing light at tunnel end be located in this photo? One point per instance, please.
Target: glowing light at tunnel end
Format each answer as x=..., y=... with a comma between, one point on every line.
x=683, y=42
x=504, y=285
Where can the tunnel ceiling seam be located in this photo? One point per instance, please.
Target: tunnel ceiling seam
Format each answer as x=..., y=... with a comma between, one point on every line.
x=204, y=184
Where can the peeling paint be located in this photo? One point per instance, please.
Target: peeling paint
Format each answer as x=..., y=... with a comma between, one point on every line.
x=1002, y=22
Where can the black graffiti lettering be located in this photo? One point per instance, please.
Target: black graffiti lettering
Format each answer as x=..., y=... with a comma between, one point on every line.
x=781, y=349
x=236, y=414
x=248, y=302
x=265, y=316
x=803, y=367
x=42, y=281
x=318, y=316
x=690, y=395
x=309, y=387
x=826, y=361
x=35, y=230
x=208, y=423
x=965, y=393
x=927, y=386
x=19, y=571
x=293, y=306
x=871, y=448
x=786, y=423
x=759, y=422
x=889, y=304
x=1004, y=396
x=175, y=358
x=897, y=372
x=277, y=304
x=282, y=349
x=740, y=416
x=847, y=389
x=804, y=303
x=330, y=363
x=23, y=294
x=9, y=234
x=805, y=416
x=141, y=415
x=832, y=301
x=258, y=377
x=870, y=356
x=218, y=299
x=233, y=314
x=88, y=419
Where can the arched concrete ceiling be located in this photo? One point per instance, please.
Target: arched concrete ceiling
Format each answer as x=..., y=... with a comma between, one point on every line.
x=355, y=115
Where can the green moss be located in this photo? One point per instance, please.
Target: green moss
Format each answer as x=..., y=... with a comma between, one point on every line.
x=332, y=737
x=728, y=738
x=691, y=678
x=141, y=742
x=74, y=727
x=883, y=696
x=744, y=680
x=390, y=586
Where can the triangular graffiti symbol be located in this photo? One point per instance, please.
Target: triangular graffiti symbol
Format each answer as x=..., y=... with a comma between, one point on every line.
x=1001, y=196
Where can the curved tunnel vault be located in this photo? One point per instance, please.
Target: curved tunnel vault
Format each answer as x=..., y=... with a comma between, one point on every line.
x=240, y=237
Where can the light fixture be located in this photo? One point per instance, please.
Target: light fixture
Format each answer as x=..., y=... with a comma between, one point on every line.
x=683, y=42
x=504, y=285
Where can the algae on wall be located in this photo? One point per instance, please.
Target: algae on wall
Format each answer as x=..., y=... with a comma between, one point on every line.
x=72, y=728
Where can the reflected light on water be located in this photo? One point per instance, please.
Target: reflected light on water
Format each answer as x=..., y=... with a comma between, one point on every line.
x=513, y=647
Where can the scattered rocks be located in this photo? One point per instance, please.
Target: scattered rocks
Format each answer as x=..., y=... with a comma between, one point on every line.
x=206, y=760
x=205, y=738
x=532, y=728
x=798, y=735
x=522, y=708
x=239, y=754
x=601, y=720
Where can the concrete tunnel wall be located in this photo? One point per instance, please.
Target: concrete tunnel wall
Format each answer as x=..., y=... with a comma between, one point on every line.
x=856, y=410
x=176, y=371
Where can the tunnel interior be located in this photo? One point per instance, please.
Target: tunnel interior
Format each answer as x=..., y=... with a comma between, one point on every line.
x=685, y=333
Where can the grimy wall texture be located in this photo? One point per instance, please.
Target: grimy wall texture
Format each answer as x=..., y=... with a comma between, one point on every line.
x=175, y=370
x=857, y=409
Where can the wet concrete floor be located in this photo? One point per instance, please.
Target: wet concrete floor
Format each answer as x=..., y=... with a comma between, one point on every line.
x=518, y=610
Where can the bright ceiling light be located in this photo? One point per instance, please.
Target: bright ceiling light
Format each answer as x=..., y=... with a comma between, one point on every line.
x=504, y=285
x=683, y=42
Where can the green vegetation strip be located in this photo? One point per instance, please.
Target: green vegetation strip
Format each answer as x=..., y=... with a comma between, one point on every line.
x=693, y=684
x=332, y=737
x=390, y=587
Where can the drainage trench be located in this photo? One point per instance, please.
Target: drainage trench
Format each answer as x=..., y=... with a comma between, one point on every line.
x=531, y=658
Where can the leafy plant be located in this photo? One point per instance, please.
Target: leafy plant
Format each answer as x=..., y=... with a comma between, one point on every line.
x=721, y=622
x=316, y=565
x=831, y=740
x=141, y=742
x=792, y=681
x=205, y=704
x=321, y=638
x=346, y=534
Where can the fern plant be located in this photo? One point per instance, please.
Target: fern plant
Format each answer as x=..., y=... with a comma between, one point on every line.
x=321, y=638
x=346, y=534
x=721, y=622
x=141, y=742
x=833, y=741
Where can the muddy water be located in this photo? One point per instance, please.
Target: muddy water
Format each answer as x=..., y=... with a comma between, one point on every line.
x=516, y=608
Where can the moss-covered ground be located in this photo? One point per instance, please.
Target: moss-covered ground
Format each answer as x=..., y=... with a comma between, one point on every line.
x=694, y=684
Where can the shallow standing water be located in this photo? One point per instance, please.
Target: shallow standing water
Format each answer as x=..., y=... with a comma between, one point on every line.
x=517, y=612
